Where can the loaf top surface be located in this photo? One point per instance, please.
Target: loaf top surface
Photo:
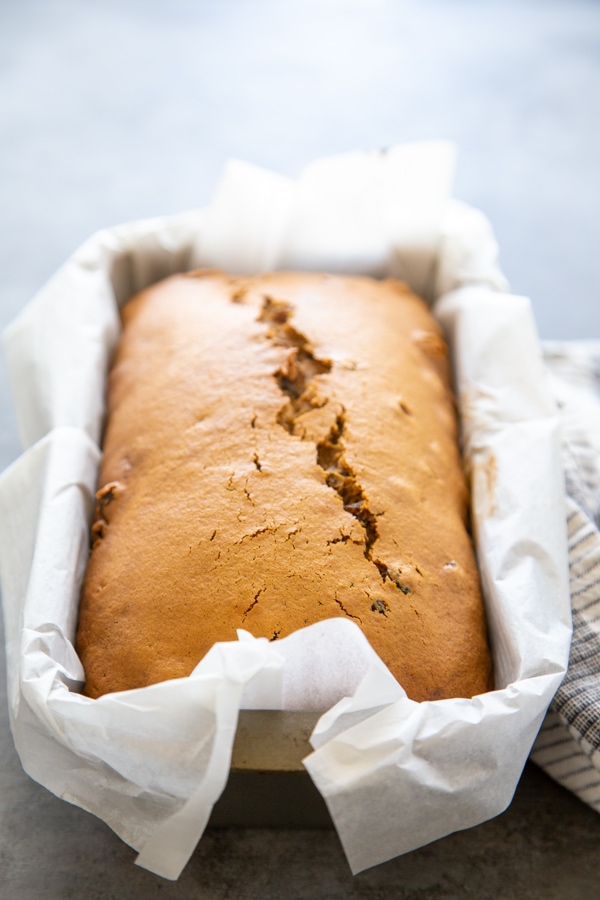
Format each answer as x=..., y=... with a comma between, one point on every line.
x=280, y=450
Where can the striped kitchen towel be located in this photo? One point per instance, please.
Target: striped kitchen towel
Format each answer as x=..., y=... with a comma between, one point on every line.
x=568, y=745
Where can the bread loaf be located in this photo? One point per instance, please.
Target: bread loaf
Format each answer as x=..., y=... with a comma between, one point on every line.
x=280, y=450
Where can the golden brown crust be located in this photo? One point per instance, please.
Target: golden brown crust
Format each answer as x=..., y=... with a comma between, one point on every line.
x=281, y=450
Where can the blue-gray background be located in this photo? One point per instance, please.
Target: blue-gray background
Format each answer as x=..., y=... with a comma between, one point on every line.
x=120, y=109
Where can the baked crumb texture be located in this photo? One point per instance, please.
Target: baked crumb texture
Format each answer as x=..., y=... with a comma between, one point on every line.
x=281, y=450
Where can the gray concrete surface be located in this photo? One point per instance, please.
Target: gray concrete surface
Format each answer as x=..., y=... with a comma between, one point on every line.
x=118, y=110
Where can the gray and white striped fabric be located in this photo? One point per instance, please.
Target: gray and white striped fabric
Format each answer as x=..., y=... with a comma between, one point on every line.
x=568, y=745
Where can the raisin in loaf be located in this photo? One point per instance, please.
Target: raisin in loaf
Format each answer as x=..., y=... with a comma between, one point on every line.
x=279, y=450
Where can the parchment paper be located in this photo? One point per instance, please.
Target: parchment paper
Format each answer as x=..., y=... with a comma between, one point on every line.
x=394, y=773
